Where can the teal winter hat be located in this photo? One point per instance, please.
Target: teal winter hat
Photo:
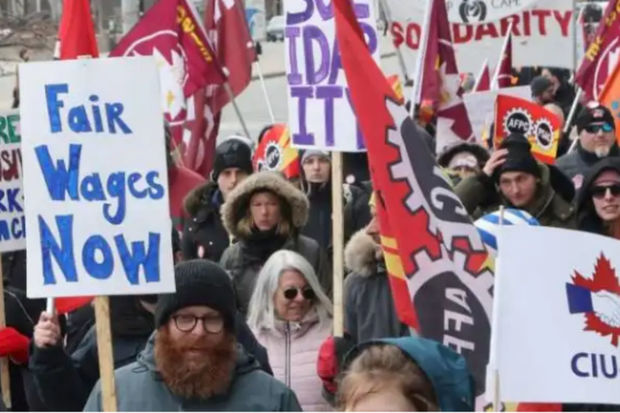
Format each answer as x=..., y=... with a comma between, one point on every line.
x=447, y=370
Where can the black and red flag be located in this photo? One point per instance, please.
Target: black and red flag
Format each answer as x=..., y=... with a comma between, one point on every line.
x=431, y=245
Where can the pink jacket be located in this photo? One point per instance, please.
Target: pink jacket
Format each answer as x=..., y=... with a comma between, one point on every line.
x=293, y=350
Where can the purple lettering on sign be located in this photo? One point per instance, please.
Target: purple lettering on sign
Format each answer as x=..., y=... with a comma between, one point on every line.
x=297, y=18
x=303, y=93
x=360, y=138
x=362, y=11
x=336, y=65
x=326, y=11
x=329, y=93
x=294, y=77
x=314, y=76
x=371, y=37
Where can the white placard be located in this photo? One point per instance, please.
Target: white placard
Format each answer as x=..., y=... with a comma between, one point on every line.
x=481, y=106
x=96, y=188
x=12, y=220
x=558, y=316
x=320, y=111
x=543, y=33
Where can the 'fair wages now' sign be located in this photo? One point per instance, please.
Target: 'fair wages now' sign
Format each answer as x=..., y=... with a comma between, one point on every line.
x=95, y=181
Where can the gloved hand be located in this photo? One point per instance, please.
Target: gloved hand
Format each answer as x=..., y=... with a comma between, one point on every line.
x=14, y=345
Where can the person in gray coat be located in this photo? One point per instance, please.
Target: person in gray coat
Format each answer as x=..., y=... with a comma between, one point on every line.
x=369, y=311
x=265, y=213
x=192, y=361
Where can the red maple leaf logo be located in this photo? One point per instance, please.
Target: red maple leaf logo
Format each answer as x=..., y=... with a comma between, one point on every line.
x=603, y=279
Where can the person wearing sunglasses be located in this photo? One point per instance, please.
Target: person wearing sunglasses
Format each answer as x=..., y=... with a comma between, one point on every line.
x=598, y=201
x=597, y=140
x=192, y=362
x=291, y=316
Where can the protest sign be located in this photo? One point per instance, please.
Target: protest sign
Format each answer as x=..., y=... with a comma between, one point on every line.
x=480, y=106
x=541, y=127
x=320, y=113
x=12, y=220
x=483, y=11
x=542, y=33
x=95, y=181
x=558, y=306
x=275, y=153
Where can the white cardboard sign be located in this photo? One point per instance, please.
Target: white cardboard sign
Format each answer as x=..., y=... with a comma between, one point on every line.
x=558, y=316
x=96, y=188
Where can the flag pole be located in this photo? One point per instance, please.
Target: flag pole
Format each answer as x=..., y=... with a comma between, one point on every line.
x=496, y=384
x=417, y=89
x=338, y=243
x=484, y=65
x=573, y=110
x=401, y=60
x=264, y=88
x=234, y=103
x=495, y=79
x=5, y=378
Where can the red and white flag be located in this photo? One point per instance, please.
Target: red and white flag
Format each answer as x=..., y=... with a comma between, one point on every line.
x=441, y=269
x=601, y=55
x=438, y=79
x=171, y=31
x=483, y=82
x=76, y=32
x=503, y=72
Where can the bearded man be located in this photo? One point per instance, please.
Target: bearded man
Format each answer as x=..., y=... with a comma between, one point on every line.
x=192, y=361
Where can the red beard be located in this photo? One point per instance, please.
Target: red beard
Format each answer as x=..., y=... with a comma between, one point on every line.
x=190, y=374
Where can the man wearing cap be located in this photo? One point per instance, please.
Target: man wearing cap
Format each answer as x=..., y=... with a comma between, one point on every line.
x=204, y=235
x=192, y=361
x=462, y=160
x=597, y=140
x=543, y=90
x=513, y=178
x=315, y=183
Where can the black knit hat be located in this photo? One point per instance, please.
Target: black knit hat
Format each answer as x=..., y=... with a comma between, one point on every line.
x=199, y=282
x=539, y=85
x=519, y=157
x=232, y=153
x=594, y=112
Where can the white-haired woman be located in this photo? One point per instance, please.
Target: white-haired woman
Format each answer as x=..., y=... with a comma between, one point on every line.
x=290, y=315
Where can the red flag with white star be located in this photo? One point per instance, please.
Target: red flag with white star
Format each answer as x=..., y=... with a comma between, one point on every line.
x=438, y=79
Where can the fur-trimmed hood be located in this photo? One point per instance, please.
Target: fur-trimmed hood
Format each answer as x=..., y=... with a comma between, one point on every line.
x=199, y=197
x=362, y=254
x=238, y=200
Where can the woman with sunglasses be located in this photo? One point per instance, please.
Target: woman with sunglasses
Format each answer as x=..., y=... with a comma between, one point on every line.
x=290, y=316
x=598, y=201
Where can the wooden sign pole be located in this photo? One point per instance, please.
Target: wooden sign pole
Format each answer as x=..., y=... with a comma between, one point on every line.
x=338, y=243
x=106, y=357
x=5, y=378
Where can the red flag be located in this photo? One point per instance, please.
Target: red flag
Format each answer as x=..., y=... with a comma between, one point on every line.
x=76, y=32
x=439, y=78
x=541, y=127
x=483, y=83
x=181, y=181
x=503, y=73
x=600, y=57
x=66, y=305
x=171, y=31
x=228, y=30
x=443, y=263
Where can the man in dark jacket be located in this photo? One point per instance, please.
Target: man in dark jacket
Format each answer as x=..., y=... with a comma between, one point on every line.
x=316, y=183
x=512, y=177
x=369, y=311
x=204, y=235
x=192, y=361
x=597, y=140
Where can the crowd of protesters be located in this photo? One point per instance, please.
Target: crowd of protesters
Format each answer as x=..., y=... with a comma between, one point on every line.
x=250, y=325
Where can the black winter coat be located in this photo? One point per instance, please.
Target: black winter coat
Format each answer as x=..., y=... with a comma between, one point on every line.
x=204, y=235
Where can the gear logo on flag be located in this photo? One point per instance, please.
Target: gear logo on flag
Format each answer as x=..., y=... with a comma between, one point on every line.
x=518, y=120
x=598, y=299
x=543, y=132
